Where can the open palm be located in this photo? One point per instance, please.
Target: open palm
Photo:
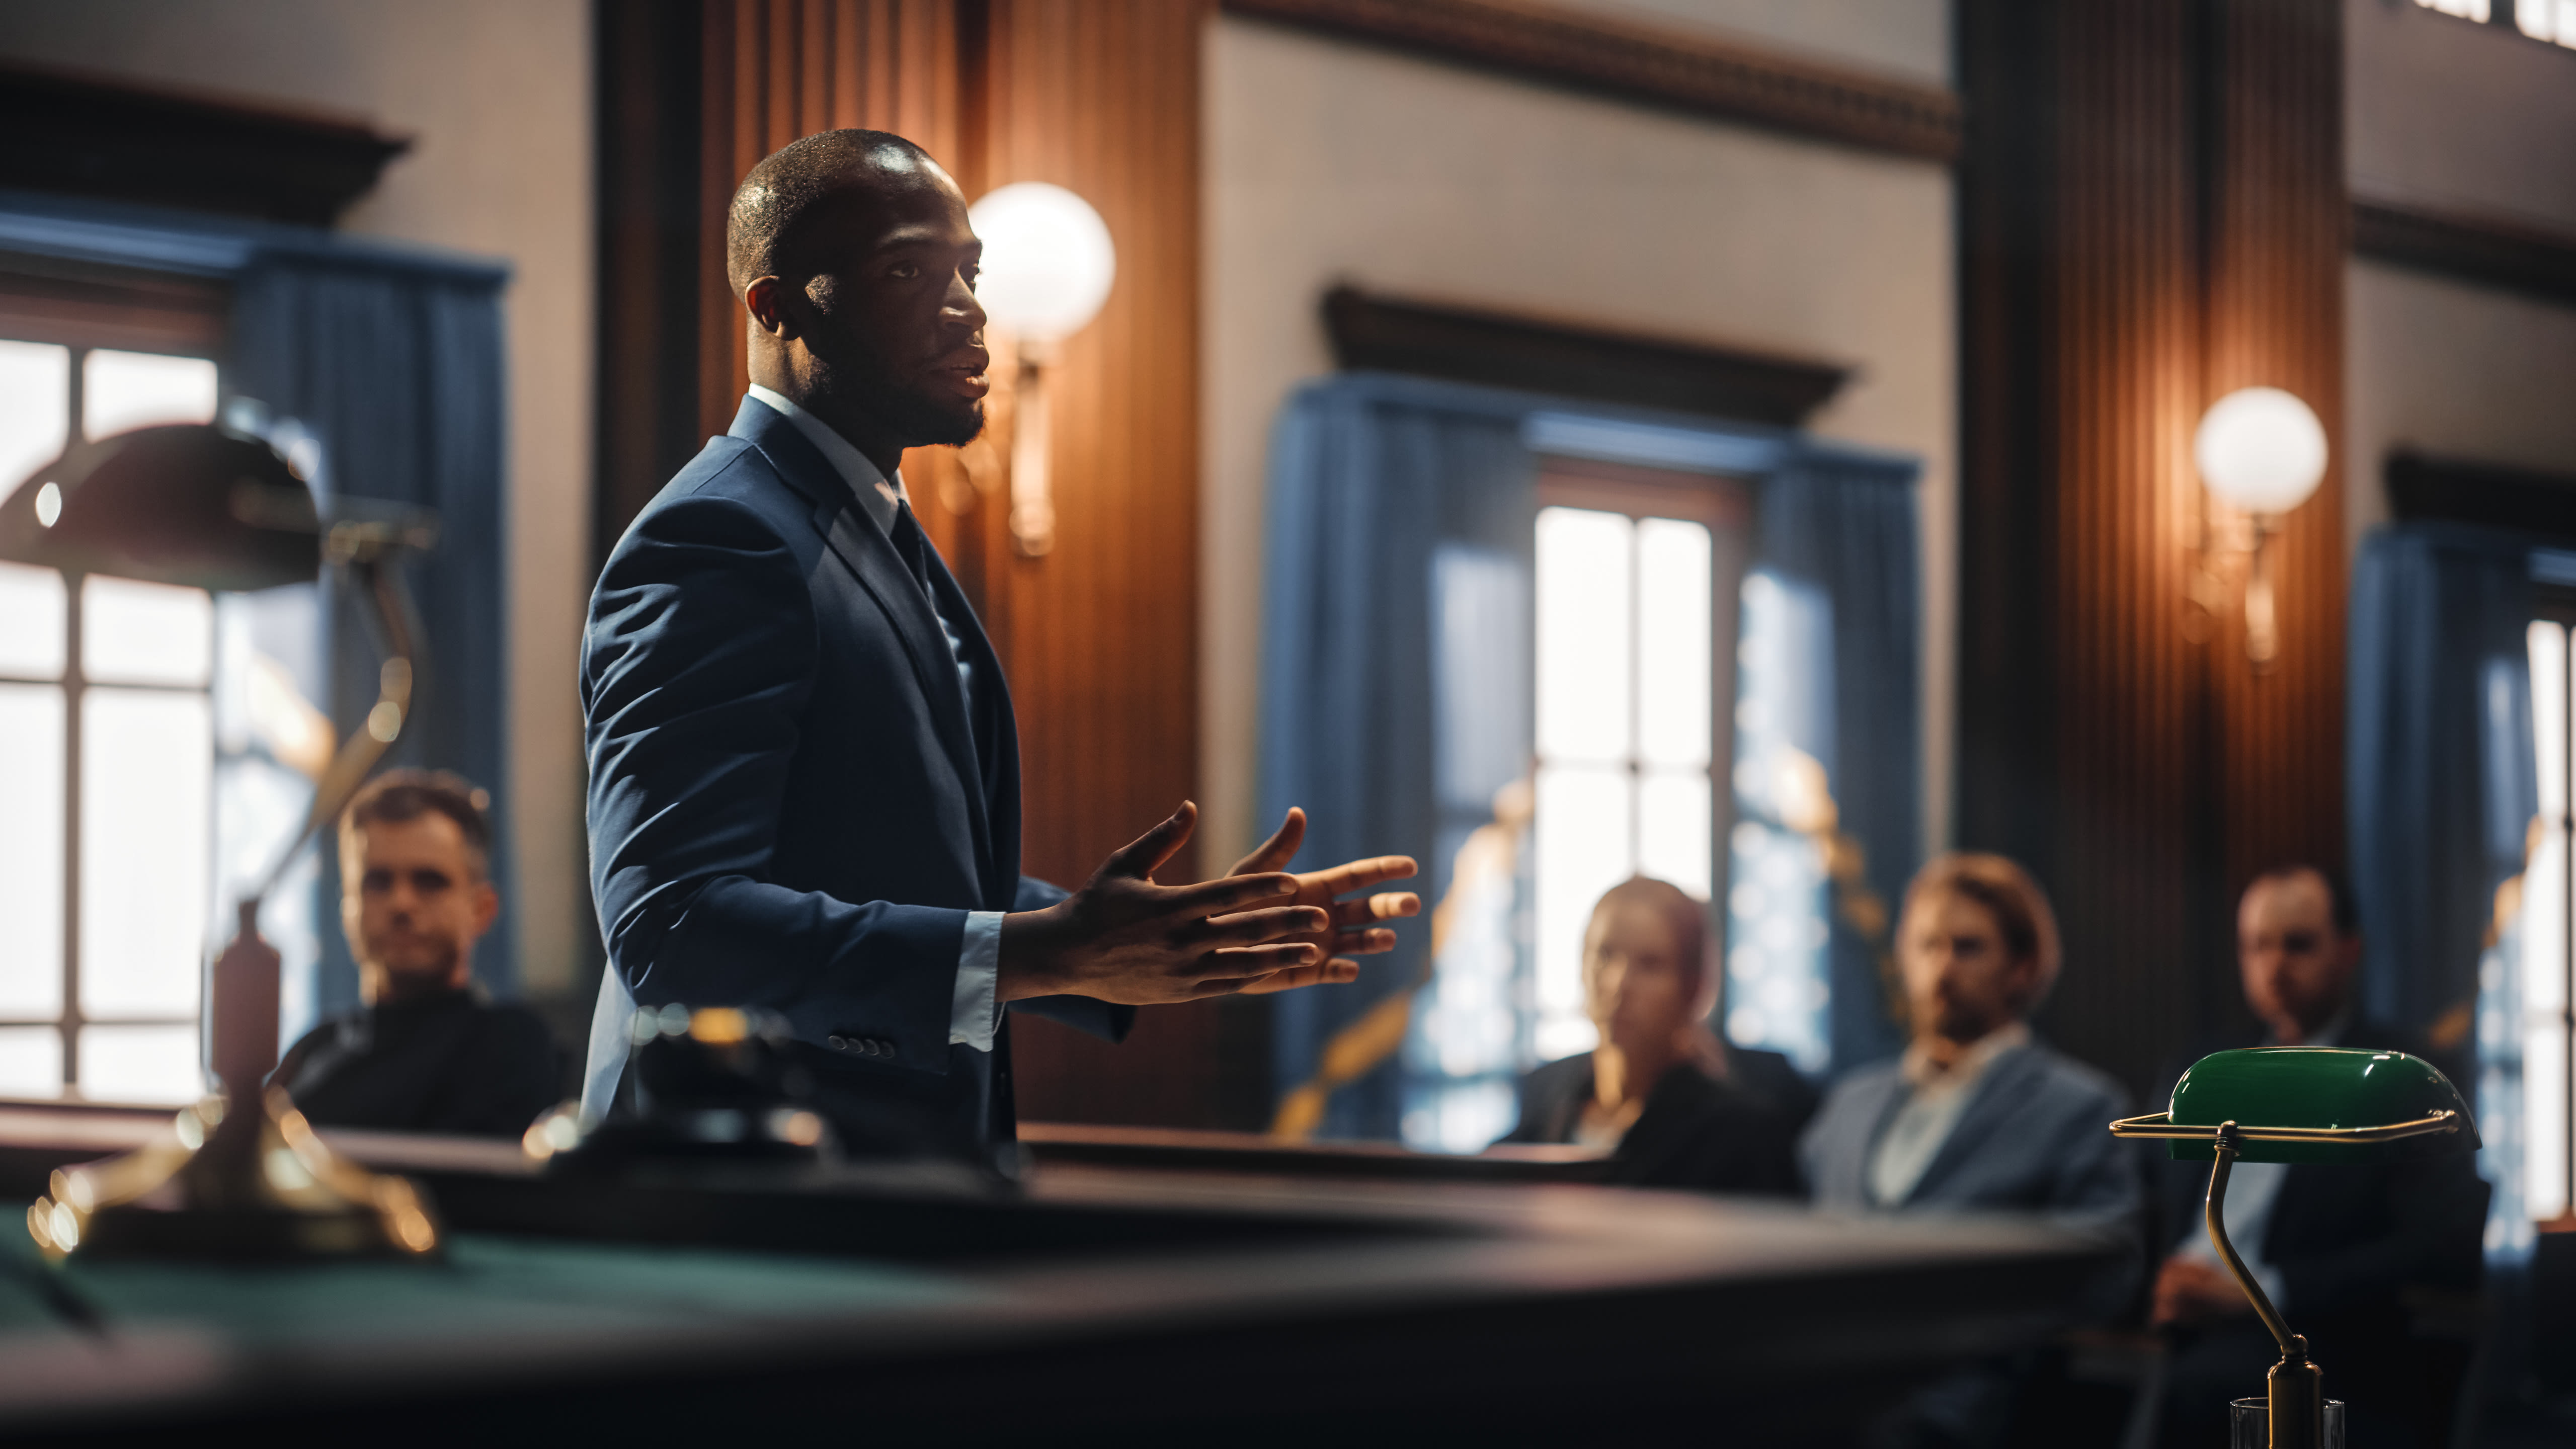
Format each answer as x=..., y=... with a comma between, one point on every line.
x=1352, y=931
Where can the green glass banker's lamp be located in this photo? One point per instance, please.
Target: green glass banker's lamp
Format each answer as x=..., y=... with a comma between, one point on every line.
x=240, y=1175
x=2302, y=1104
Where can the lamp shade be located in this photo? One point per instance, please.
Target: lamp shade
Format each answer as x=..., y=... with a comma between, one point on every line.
x=1048, y=260
x=2312, y=1088
x=190, y=504
x=2261, y=449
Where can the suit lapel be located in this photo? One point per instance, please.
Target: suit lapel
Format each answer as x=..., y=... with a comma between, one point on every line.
x=870, y=556
x=1989, y=1105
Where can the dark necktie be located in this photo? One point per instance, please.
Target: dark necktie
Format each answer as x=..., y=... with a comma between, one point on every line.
x=914, y=547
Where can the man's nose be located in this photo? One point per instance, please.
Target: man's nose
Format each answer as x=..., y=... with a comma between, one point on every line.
x=963, y=306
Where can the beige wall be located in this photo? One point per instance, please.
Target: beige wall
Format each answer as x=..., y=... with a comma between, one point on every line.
x=496, y=94
x=2460, y=117
x=1328, y=161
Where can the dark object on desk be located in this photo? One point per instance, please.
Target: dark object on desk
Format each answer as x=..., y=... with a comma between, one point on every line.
x=449, y=1063
x=1696, y=1131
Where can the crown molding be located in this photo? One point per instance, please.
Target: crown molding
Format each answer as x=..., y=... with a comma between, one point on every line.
x=2490, y=251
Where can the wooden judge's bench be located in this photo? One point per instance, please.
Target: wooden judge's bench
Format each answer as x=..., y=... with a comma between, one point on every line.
x=1143, y=1285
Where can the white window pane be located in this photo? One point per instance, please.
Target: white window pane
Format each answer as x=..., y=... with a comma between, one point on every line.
x=35, y=408
x=139, y=633
x=31, y=621
x=31, y=1061
x=121, y=390
x=1674, y=609
x=1584, y=589
x=1583, y=830
x=2567, y=23
x=2548, y=648
x=1776, y=996
x=1673, y=829
x=31, y=850
x=146, y=767
x=145, y=1064
x=2536, y=18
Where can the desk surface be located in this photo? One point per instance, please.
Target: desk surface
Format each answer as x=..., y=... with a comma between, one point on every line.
x=1187, y=1298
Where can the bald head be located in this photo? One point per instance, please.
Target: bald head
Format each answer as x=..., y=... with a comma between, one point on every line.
x=856, y=268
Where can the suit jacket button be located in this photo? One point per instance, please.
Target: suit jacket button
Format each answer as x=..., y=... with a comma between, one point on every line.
x=838, y=1043
x=880, y=1048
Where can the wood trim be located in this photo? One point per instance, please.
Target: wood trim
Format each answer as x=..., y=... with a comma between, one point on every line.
x=1648, y=65
x=45, y=299
x=2487, y=250
x=88, y=136
x=2423, y=487
x=1467, y=344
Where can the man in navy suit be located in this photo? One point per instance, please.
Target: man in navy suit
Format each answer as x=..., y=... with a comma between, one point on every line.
x=804, y=769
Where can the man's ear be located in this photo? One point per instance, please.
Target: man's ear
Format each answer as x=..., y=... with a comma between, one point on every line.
x=487, y=907
x=766, y=300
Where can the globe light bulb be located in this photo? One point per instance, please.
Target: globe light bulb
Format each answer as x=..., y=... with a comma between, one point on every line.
x=1048, y=260
x=2261, y=449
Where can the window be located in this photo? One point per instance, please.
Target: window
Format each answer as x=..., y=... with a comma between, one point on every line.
x=2545, y=976
x=107, y=761
x=2550, y=20
x=1636, y=593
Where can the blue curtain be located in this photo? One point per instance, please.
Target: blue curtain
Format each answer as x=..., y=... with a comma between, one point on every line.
x=1843, y=524
x=1369, y=478
x=2438, y=755
x=391, y=357
x=397, y=373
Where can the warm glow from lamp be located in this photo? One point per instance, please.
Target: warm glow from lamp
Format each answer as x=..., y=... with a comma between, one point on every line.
x=1048, y=263
x=2261, y=449
x=1048, y=260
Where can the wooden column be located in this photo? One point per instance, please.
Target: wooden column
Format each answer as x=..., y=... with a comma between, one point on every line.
x=1100, y=637
x=2151, y=210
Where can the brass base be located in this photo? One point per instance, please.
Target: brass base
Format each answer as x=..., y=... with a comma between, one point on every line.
x=245, y=1186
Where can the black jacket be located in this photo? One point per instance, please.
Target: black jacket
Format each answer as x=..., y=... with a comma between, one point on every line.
x=1695, y=1132
x=451, y=1064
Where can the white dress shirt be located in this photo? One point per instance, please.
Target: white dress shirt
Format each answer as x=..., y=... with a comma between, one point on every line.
x=1931, y=1111
x=972, y=1010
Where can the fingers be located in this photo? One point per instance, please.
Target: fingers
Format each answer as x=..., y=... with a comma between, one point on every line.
x=1359, y=874
x=1374, y=942
x=1340, y=970
x=1279, y=849
x=1145, y=854
x=1255, y=928
x=1385, y=906
x=1228, y=893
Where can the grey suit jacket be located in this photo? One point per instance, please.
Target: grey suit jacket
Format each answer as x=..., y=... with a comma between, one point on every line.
x=2033, y=1138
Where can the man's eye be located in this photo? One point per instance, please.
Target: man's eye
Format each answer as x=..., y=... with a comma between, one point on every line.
x=904, y=271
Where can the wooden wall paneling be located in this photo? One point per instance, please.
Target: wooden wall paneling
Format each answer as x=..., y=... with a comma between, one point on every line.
x=2151, y=217
x=2275, y=254
x=1102, y=633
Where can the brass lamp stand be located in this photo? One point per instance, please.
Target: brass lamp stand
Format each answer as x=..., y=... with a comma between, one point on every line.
x=2327, y=1086
x=239, y=1175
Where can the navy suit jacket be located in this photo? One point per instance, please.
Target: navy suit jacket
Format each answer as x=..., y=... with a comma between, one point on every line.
x=793, y=805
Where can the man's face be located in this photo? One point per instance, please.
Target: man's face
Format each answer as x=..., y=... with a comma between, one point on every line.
x=413, y=905
x=1637, y=988
x=880, y=290
x=2298, y=970
x=1960, y=979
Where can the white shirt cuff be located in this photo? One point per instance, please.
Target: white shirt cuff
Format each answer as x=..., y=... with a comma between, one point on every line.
x=971, y=1010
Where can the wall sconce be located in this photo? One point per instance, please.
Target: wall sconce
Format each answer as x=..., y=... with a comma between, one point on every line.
x=1048, y=263
x=2261, y=451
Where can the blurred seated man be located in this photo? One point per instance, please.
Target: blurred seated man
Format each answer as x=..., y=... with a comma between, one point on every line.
x=426, y=1053
x=2335, y=1246
x=1676, y=1107
x=1978, y=1115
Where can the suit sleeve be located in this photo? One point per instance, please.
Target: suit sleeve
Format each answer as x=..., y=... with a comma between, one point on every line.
x=697, y=664
x=2432, y=1235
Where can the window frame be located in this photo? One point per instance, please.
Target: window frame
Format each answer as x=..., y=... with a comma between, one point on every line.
x=2556, y=604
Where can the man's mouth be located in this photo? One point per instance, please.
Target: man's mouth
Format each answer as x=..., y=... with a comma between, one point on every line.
x=962, y=372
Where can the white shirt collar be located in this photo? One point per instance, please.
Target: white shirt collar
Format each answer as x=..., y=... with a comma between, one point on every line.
x=876, y=493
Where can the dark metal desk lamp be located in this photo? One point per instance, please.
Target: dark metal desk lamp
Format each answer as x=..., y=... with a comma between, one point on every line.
x=2302, y=1104
x=240, y=1175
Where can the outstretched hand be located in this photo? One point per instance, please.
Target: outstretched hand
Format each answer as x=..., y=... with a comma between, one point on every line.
x=1122, y=938
x=1349, y=931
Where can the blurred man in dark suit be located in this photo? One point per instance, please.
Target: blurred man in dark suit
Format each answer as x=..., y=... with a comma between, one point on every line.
x=426, y=1053
x=1673, y=1105
x=2337, y=1247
